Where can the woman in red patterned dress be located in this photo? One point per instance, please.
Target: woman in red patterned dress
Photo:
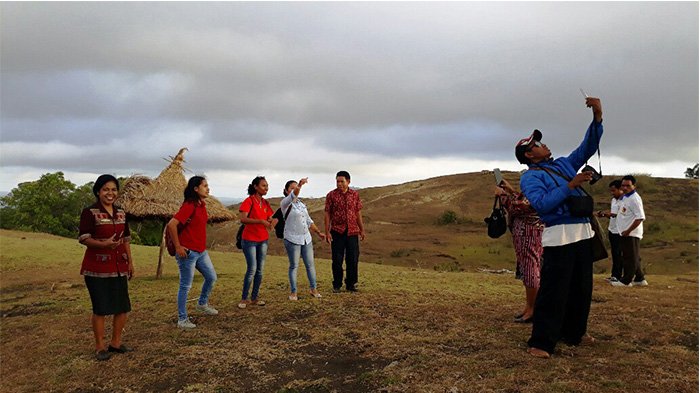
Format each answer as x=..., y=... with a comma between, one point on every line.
x=526, y=227
x=107, y=264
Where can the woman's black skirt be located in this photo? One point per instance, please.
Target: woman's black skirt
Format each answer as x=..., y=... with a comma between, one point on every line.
x=109, y=295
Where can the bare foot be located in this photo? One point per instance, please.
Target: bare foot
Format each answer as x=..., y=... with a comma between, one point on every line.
x=587, y=340
x=538, y=353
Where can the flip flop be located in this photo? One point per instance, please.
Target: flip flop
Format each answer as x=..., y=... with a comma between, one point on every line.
x=521, y=320
x=122, y=349
x=102, y=355
x=538, y=353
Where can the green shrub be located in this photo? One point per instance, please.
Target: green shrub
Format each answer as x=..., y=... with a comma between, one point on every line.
x=448, y=217
x=402, y=252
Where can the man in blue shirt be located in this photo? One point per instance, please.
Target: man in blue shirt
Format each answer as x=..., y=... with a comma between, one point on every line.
x=566, y=281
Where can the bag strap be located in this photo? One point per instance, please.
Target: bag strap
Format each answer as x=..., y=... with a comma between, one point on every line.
x=193, y=211
x=600, y=166
x=252, y=201
x=184, y=224
x=289, y=210
x=497, y=203
x=550, y=171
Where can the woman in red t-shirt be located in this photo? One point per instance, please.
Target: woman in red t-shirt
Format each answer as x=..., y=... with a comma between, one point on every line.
x=256, y=215
x=190, y=249
x=107, y=264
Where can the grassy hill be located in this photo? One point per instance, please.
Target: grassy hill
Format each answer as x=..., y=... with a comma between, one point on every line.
x=408, y=330
x=402, y=230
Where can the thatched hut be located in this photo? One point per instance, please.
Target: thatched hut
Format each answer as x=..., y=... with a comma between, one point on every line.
x=160, y=198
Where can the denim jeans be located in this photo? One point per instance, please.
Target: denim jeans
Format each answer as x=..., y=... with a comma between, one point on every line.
x=255, y=253
x=306, y=251
x=201, y=262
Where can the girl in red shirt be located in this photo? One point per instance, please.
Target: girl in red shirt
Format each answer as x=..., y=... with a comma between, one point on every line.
x=190, y=249
x=107, y=264
x=256, y=215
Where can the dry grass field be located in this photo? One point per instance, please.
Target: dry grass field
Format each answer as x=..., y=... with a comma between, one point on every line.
x=409, y=329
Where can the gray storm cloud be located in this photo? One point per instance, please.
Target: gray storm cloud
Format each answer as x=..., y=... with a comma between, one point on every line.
x=394, y=79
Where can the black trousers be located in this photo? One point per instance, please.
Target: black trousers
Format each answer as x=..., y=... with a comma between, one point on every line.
x=348, y=248
x=616, y=251
x=632, y=263
x=564, y=298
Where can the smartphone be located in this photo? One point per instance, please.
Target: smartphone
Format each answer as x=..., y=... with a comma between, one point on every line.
x=583, y=92
x=498, y=176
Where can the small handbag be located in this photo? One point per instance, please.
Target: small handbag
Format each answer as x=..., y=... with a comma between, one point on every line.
x=580, y=205
x=598, y=242
x=496, y=222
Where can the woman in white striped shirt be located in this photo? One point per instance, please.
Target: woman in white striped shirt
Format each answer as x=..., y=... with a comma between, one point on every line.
x=297, y=236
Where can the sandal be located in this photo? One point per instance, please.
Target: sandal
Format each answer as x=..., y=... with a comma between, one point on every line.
x=121, y=349
x=102, y=355
x=293, y=297
x=538, y=353
x=315, y=294
x=243, y=304
x=258, y=302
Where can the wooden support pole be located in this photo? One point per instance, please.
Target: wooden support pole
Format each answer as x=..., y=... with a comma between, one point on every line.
x=159, y=270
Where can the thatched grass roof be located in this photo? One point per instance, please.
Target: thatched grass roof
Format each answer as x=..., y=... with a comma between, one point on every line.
x=160, y=198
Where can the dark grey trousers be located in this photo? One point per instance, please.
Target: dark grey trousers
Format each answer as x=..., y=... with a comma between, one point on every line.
x=348, y=248
x=631, y=262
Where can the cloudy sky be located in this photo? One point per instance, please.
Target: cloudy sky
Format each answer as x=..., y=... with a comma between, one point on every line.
x=391, y=92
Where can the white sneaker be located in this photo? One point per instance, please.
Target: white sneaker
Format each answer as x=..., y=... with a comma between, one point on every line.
x=642, y=283
x=186, y=324
x=206, y=309
x=619, y=284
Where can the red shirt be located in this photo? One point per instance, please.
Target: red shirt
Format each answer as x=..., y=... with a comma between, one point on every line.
x=96, y=223
x=194, y=235
x=261, y=210
x=344, y=209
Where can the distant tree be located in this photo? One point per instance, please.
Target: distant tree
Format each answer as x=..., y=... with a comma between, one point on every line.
x=692, y=173
x=51, y=204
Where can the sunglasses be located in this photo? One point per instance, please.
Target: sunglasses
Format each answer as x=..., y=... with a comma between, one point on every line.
x=535, y=143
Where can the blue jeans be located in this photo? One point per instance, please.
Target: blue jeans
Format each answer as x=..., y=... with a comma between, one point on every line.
x=255, y=253
x=201, y=262
x=306, y=251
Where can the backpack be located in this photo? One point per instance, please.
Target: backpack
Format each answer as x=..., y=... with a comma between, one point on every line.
x=279, y=227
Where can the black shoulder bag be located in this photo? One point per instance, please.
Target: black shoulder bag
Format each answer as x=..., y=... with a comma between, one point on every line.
x=582, y=206
x=239, y=234
x=496, y=222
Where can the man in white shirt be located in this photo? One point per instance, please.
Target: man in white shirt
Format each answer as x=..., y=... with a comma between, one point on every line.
x=615, y=187
x=629, y=221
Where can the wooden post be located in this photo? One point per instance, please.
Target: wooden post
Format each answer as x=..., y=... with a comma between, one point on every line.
x=159, y=270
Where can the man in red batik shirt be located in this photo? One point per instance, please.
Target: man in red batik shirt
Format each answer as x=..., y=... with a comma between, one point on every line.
x=343, y=223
